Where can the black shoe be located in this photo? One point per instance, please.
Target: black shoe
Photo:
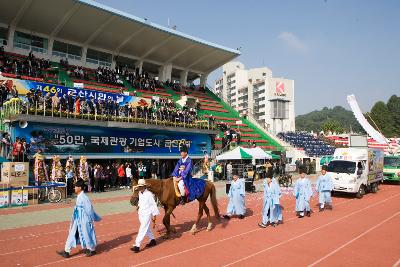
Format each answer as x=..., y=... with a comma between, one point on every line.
x=135, y=249
x=308, y=213
x=321, y=209
x=262, y=225
x=90, y=253
x=226, y=217
x=152, y=243
x=280, y=222
x=182, y=202
x=63, y=254
x=241, y=217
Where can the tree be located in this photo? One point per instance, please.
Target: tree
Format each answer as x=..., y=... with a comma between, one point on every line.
x=333, y=126
x=382, y=119
x=393, y=106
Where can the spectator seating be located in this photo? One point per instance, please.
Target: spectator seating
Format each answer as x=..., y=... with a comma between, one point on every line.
x=313, y=146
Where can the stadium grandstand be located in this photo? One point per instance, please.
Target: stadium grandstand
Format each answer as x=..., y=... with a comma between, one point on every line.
x=71, y=84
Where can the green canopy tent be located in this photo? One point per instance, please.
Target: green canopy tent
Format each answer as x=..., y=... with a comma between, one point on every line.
x=236, y=154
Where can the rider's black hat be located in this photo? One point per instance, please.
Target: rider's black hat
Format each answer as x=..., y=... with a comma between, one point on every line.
x=183, y=148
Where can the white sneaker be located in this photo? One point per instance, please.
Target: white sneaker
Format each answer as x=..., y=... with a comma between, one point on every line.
x=121, y=187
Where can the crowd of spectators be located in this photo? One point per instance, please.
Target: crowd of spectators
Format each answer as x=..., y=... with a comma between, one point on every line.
x=27, y=66
x=15, y=151
x=7, y=92
x=161, y=110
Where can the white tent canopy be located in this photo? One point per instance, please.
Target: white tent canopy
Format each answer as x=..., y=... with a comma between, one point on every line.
x=244, y=153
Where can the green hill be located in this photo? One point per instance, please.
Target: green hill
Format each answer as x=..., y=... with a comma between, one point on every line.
x=336, y=119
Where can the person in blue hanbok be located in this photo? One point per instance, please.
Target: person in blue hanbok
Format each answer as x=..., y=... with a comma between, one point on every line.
x=278, y=207
x=272, y=194
x=303, y=193
x=81, y=229
x=189, y=188
x=324, y=188
x=236, y=195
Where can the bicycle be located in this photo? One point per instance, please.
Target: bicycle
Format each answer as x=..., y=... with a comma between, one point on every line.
x=53, y=194
x=285, y=180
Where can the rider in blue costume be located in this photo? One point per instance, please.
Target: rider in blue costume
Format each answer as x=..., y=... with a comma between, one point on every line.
x=194, y=187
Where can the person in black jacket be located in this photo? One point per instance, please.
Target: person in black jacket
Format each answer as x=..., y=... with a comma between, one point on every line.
x=70, y=102
x=154, y=169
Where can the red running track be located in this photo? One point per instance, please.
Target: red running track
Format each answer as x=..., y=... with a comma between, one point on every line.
x=358, y=232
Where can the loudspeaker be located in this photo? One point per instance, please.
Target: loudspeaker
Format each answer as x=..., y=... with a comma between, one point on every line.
x=22, y=124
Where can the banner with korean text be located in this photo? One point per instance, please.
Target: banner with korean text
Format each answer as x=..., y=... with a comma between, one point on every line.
x=86, y=140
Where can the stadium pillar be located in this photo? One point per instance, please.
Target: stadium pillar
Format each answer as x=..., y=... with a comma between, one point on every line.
x=10, y=41
x=113, y=63
x=50, y=47
x=203, y=80
x=164, y=72
x=183, y=79
x=139, y=64
x=84, y=53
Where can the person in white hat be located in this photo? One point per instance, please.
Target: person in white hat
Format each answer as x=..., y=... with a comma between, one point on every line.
x=147, y=212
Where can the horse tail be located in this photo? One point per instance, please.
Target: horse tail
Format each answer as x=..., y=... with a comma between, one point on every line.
x=214, y=203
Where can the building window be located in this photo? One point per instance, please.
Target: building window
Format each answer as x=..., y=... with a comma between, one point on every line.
x=64, y=50
x=30, y=42
x=98, y=58
x=279, y=109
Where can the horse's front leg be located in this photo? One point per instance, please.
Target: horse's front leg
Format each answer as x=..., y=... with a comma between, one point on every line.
x=167, y=221
x=199, y=215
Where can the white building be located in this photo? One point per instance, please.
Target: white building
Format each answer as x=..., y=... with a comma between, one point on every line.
x=267, y=99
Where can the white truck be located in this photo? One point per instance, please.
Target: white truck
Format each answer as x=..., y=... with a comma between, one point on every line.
x=356, y=170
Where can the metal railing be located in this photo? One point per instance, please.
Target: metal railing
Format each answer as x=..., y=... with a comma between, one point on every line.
x=17, y=106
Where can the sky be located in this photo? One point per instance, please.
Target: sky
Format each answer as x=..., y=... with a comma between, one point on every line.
x=330, y=48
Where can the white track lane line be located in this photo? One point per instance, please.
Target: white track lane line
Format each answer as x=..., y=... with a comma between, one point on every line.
x=311, y=231
x=354, y=239
x=397, y=263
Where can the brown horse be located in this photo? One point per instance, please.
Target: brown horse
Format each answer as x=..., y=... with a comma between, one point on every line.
x=165, y=192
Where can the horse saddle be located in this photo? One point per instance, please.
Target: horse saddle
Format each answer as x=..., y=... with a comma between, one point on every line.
x=177, y=193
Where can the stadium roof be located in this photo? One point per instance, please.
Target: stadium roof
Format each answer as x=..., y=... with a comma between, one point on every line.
x=98, y=26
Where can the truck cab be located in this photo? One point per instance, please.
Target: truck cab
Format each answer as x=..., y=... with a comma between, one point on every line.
x=391, y=168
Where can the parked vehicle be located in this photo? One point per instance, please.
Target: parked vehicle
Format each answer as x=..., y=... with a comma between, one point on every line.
x=391, y=168
x=356, y=170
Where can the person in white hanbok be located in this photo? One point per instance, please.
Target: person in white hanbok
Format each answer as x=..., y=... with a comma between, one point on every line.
x=236, y=197
x=81, y=229
x=271, y=202
x=147, y=212
x=303, y=193
x=324, y=188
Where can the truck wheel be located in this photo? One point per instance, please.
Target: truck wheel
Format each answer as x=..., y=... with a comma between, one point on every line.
x=361, y=192
x=374, y=188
